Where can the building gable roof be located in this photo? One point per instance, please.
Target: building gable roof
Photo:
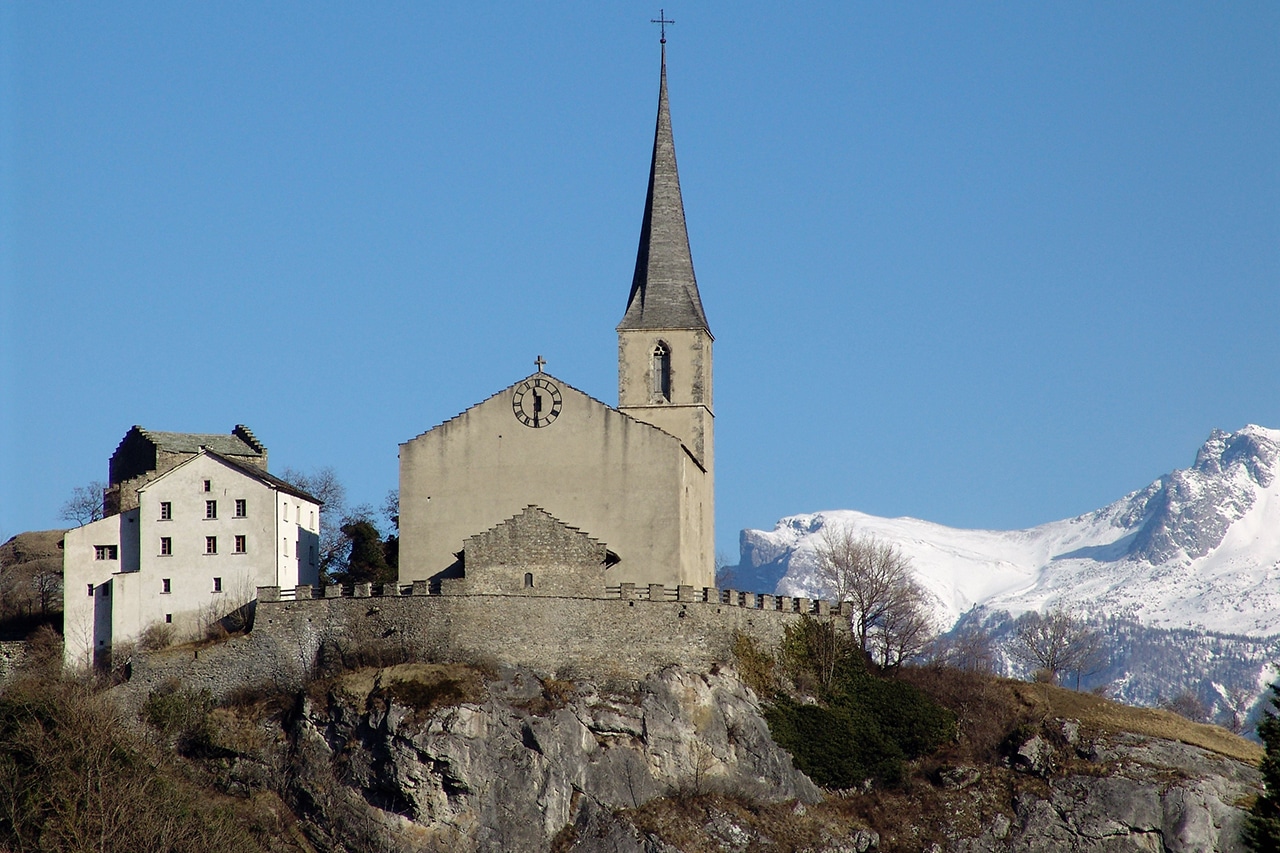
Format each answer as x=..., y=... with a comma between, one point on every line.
x=269, y=480
x=563, y=385
x=664, y=291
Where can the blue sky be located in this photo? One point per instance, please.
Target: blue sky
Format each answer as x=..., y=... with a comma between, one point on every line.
x=984, y=264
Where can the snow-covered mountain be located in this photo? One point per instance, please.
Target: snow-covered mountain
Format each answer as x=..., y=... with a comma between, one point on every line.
x=1197, y=548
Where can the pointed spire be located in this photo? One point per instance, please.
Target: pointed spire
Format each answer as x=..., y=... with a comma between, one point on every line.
x=664, y=292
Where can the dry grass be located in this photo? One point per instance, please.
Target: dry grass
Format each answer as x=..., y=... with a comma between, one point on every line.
x=1043, y=700
x=683, y=822
x=422, y=686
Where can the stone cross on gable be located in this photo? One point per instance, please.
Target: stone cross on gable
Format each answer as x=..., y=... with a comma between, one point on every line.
x=539, y=361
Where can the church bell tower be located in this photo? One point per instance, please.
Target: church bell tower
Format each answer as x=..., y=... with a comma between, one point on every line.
x=664, y=342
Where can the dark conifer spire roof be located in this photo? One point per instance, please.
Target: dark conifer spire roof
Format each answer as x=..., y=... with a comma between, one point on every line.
x=664, y=292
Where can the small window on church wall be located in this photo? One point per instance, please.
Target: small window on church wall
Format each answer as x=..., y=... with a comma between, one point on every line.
x=528, y=580
x=662, y=371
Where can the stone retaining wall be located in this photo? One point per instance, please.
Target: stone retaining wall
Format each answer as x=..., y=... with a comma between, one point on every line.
x=12, y=655
x=591, y=638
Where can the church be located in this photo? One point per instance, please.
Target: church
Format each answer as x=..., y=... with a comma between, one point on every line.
x=540, y=476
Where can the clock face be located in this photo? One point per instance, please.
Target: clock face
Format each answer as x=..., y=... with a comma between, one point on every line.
x=537, y=402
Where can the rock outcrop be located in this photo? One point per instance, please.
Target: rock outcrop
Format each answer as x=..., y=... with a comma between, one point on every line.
x=1135, y=794
x=512, y=771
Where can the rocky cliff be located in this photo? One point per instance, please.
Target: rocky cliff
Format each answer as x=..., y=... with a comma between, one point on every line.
x=423, y=757
x=426, y=757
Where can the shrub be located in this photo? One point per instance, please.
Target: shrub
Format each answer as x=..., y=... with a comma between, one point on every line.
x=865, y=727
x=158, y=635
x=181, y=716
x=755, y=666
x=426, y=695
x=72, y=780
x=838, y=747
x=985, y=711
x=819, y=652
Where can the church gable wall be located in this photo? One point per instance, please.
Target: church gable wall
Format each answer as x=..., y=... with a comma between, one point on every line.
x=593, y=468
x=534, y=554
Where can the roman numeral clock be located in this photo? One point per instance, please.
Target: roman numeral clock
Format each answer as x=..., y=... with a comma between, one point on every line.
x=536, y=402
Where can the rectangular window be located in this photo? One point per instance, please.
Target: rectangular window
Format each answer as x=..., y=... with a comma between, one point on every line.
x=210, y=509
x=166, y=546
x=217, y=584
x=313, y=555
x=165, y=586
x=286, y=511
x=284, y=543
x=208, y=485
x=168, y=617
x=91, y=590
x=211, y=544
x=106, y=552
x=166, y=511
x=242, y=508
x=241, y=544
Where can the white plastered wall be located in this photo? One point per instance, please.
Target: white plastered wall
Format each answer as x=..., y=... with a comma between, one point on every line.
x=137, y=596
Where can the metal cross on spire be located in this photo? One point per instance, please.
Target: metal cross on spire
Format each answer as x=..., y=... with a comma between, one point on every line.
x=663, y=21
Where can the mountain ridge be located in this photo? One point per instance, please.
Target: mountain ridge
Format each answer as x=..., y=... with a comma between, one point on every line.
x=1196, y=548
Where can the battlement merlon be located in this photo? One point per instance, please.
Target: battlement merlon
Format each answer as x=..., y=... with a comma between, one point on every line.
x=626, y=592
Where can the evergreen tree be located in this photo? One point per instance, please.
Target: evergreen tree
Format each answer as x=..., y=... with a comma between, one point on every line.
x=368, y=560
x=1262, y=832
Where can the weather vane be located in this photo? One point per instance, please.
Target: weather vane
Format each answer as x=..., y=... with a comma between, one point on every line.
x=663, y=21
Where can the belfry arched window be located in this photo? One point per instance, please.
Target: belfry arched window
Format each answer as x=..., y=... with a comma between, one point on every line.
x=662, y=371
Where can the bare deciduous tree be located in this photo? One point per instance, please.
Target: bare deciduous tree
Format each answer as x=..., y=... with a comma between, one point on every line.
x=325, y=485
x=890, y=609
x=970, y=649
x=1187, y=704
x=85, y=504
x=906, y=628
x=725, y=574
x=47, y=585
x=1057, y=643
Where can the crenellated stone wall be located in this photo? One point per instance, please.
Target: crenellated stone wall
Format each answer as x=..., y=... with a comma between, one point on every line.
x=625, y=637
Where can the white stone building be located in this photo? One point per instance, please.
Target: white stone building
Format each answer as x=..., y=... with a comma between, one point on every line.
x=203, y=535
